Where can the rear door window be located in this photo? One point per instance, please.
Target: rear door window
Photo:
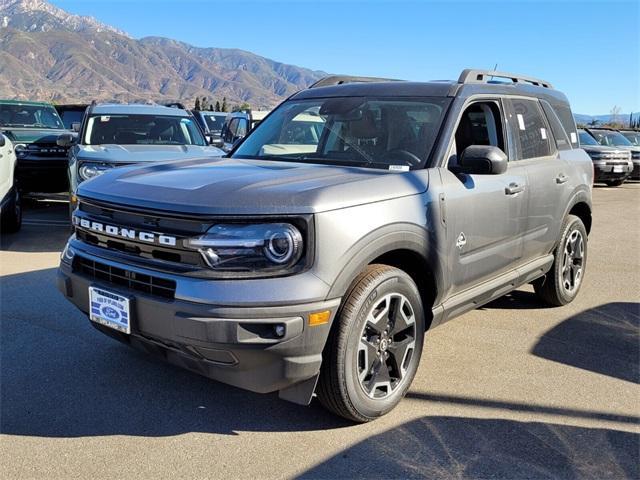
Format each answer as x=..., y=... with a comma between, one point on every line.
x=530, y=129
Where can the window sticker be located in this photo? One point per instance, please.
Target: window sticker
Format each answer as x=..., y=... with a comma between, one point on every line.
x=574, y=138
x=105, y=118
x=521, y=121
x=543, y=133
x=399, y=168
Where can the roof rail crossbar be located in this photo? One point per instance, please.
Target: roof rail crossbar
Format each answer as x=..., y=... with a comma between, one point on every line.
x=471, y=75
x=340, y=79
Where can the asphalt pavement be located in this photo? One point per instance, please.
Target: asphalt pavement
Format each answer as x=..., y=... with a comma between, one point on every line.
x=512, y=390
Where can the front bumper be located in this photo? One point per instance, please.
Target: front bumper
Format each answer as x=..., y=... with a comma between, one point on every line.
x=606, y=170
x=232, y=344
x=47, y=175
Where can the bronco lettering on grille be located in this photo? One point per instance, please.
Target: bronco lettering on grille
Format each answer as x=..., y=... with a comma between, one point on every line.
x=127, y=233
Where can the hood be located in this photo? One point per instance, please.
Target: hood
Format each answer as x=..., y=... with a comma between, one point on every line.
x=602, y=149
x=143, y=153
x=242, y=187
x=32, y=135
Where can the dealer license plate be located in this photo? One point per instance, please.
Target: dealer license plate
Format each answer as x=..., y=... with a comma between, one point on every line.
x=617, y=169
x=109, y=309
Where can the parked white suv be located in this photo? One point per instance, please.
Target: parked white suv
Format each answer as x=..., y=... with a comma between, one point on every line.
x=10, y=208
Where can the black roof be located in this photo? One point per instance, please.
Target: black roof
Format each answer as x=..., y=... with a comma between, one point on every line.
x=381, y=89
x=431, y=89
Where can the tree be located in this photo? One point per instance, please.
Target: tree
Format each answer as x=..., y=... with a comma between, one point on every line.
x=224, y=108
x=204, y=103
x=197, y=105
x=211, y=107
x=243, y=107
x=594, y=122
x=614, y=120
x=217, y=105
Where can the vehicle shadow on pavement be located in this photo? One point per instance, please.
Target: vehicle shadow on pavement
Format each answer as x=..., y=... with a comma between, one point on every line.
x=605, y=340
x=62, y=378
x=516, y=300
x=457, y=447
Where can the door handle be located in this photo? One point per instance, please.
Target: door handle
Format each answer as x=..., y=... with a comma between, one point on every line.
x=514, y=188
x=562, y=178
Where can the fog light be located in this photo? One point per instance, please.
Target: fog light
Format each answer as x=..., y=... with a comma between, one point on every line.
x=279, y=330
x=319, y=318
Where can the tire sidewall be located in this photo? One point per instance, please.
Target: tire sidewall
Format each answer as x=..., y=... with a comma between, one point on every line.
x=394, y=281
x=572, y=224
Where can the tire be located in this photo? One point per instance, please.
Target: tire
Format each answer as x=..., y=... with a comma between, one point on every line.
x=562, y=283
x=353, y=383
x=12, y=214
x=614, y=183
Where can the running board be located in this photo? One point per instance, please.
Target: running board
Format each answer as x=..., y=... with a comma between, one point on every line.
x=488, y=291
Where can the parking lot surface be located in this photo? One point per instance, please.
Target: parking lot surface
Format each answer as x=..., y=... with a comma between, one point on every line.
x=511, y=390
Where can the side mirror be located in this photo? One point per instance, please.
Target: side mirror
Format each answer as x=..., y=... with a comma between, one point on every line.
x=483, y=160
x=215, y=141
x=75, y=126
x=3, y=141
x=66, y=140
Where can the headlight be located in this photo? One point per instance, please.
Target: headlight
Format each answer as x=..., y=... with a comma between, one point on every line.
x=90, y=170
x=266, y=247
x=20, y=149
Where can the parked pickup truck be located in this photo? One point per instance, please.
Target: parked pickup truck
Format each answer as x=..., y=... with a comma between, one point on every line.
x=318, y=270
x=33, y=128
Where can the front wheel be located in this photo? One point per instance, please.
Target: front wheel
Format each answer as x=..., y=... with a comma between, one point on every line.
x=11, y=216
x=561, y=284
x=614, y=183
x=374, y=350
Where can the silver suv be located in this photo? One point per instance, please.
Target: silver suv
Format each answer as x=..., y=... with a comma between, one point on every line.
x=354, y=217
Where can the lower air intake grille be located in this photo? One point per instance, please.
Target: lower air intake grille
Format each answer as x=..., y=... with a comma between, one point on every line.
x=158, y=287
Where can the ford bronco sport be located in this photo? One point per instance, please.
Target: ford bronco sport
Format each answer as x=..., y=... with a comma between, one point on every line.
x=33, y=128
x=114, y=135
x=317, y=268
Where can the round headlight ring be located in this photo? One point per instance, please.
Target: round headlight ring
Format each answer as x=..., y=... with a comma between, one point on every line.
x=283, y=246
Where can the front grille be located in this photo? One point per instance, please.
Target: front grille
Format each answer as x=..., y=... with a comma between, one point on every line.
x=46, y=150
x=180, y=228
x=140, y=282
x=620, y=162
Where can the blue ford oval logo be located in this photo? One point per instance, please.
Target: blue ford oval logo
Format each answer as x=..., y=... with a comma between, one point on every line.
x=111, y=313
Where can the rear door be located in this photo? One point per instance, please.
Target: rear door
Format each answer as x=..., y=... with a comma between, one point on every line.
x=547, y=173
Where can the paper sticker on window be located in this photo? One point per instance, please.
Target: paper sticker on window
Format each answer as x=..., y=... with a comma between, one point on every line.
x=543, y=133
x=574, y=138
x=105, y=118
x=399, y=168
x=521, y=121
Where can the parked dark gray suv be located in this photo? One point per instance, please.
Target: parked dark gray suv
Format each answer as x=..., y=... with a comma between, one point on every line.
x=304, y=265
x=611, y=165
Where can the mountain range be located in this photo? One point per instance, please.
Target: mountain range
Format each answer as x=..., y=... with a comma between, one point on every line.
x=49, y=54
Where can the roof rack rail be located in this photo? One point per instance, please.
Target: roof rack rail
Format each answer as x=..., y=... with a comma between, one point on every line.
x=340, y=79
x=471, y=75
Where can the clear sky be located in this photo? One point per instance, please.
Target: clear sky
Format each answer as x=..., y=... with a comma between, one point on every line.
x=588, y=49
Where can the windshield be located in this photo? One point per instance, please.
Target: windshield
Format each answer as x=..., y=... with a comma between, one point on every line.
x=69, y=117
x=633, y=137
x=375, y=132
x=610, y=138
x=30, y=116
x=142, y=130
x=214, y=122
x=586, y=139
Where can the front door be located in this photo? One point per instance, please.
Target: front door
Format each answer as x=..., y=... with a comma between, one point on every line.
x=485, y=214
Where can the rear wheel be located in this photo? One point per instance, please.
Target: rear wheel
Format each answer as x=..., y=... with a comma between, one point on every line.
x=374, y=349
x=615, y=183
x=562, y=283
x=12, y=215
